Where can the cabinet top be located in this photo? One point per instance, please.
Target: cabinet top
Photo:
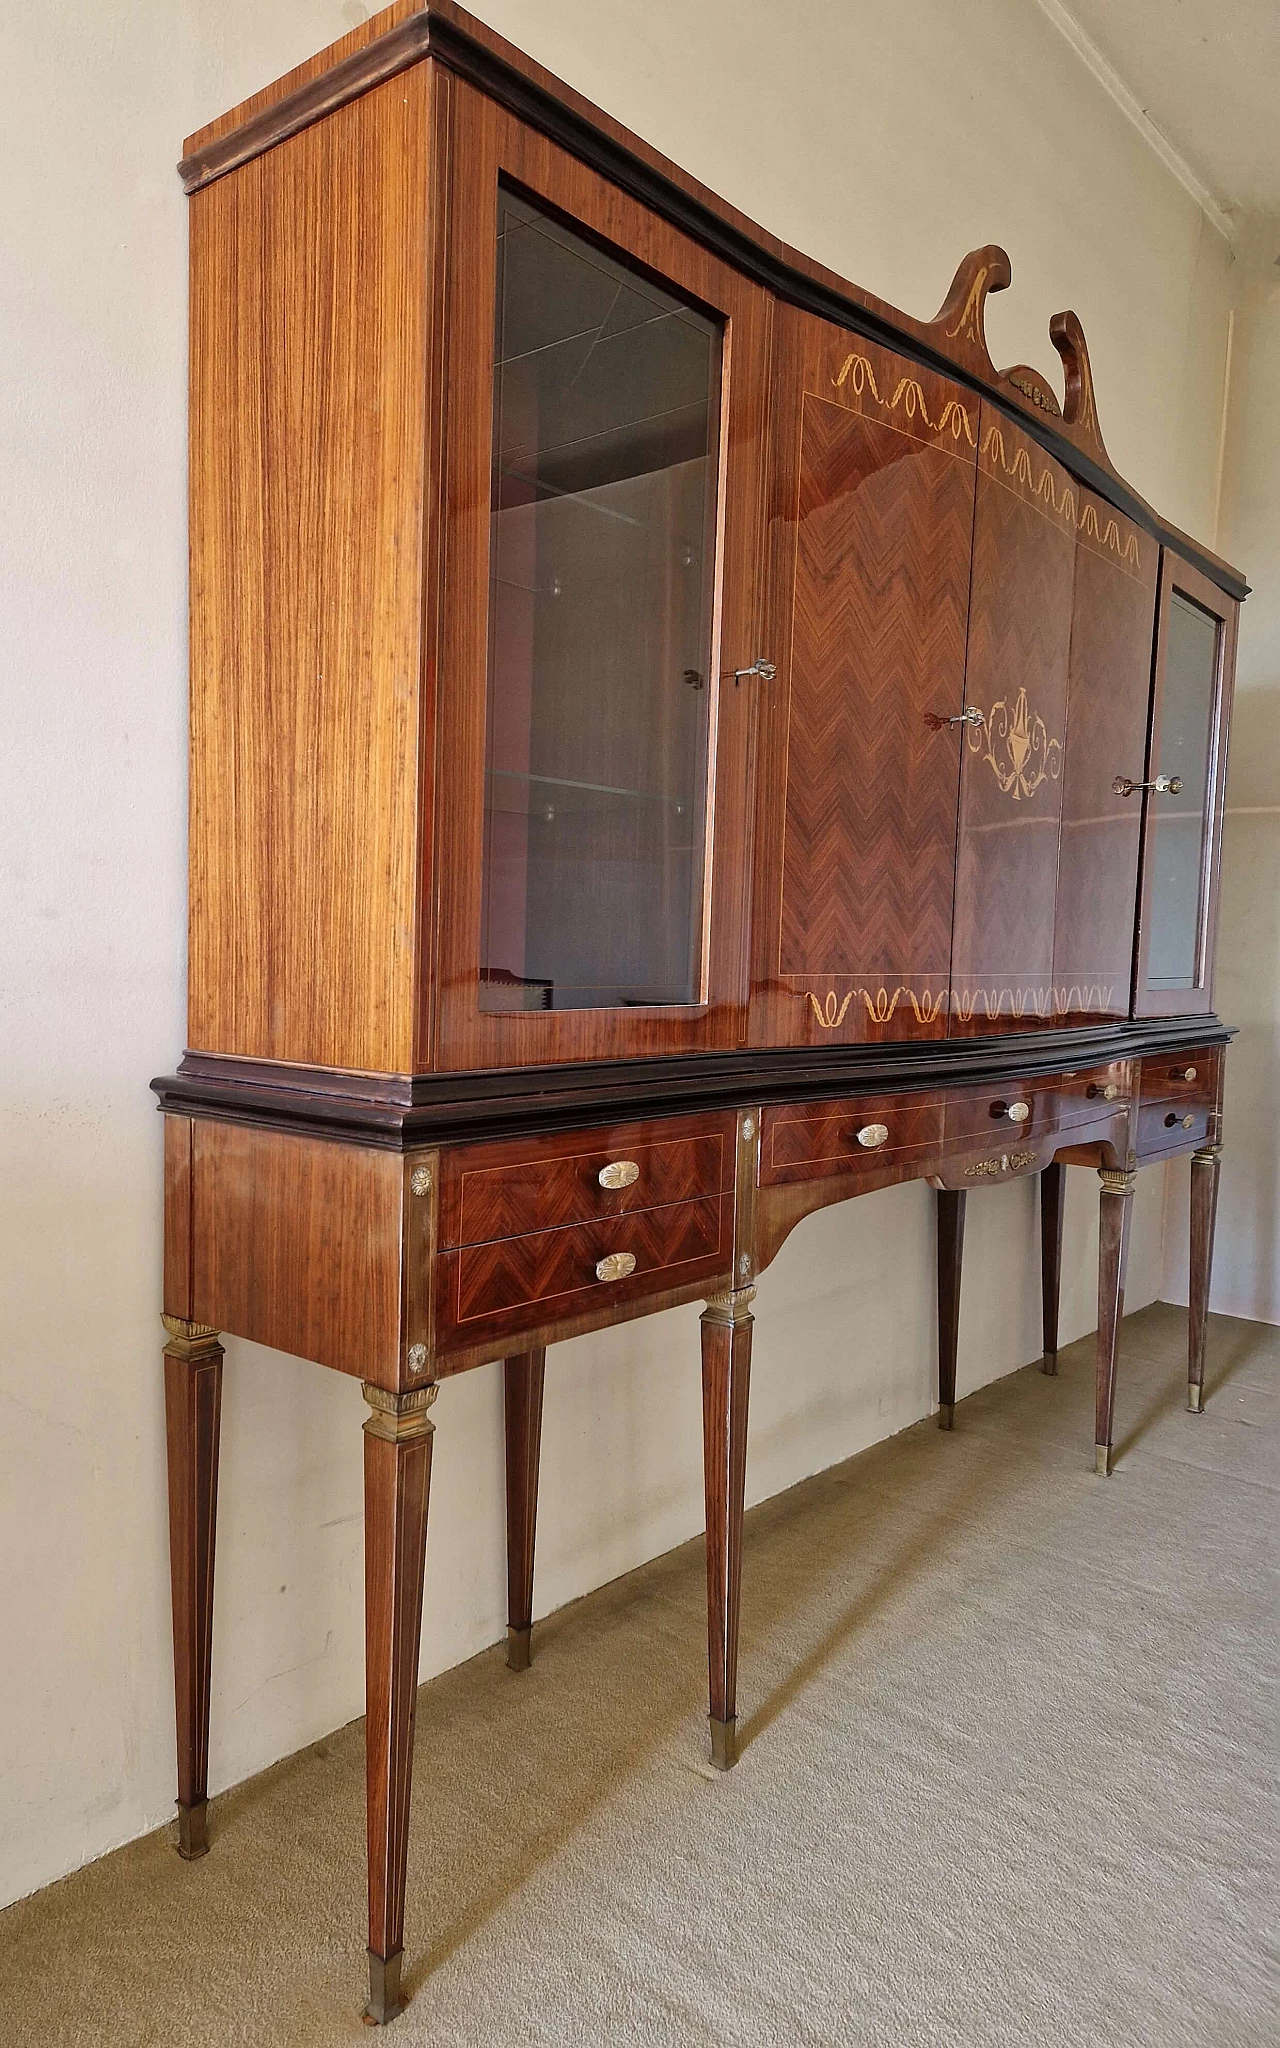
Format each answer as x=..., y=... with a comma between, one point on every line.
x=954, y=341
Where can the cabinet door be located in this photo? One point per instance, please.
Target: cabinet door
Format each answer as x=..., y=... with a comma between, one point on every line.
x=1108, y=704
x=1182, y=815
x=871, y=517
x=1024, y=545
x=604, y=496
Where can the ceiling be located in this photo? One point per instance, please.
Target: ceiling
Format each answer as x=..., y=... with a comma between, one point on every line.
x=1205, y=76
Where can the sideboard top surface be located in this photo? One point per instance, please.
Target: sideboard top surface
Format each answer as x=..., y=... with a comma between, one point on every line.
x=954, y=341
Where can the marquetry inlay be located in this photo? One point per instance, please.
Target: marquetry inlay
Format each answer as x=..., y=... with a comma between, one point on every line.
x=1017, y=747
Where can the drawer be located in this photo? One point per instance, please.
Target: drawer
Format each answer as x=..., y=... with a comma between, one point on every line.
x=812, y=1141
x=1172, y=1126
x=511, y=1187
x=1036, y=1108
x=1188, y=1077
x=515, y=1284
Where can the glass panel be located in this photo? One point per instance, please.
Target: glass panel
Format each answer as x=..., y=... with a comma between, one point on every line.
x=606, y=422
x=1186, y=733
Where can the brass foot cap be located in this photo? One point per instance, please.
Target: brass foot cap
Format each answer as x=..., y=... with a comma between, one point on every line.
x=1195, y=1398
x=947, y=1415
x=724, y=1743
x=1102, y=1459
x=519, y=1652
x=1050, y=1364
x=385, y=2000
x=193, y=1830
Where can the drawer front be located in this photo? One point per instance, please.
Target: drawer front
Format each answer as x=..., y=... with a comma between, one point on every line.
x=1172, y=1126
x=511, y=1188
x=1190, y=1077
x=1036, y=1108
x=518, y=1283
x=802, y=1141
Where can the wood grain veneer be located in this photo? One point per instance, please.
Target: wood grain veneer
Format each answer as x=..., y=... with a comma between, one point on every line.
x=810, y=1141
x=310, y=326
x=296, y=1242
x=177, y=1216
x=488, y=145
x=871, y=519
x=1024, y=544
x=509, y=1189
x=517, y=1284
x=1108, y=699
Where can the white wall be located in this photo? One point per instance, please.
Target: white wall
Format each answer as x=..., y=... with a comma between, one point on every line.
x=1246, y=1267
x=885, y=140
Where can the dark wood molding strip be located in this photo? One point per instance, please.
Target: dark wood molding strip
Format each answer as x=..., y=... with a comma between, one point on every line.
x=403, y=1113
x=559, y=115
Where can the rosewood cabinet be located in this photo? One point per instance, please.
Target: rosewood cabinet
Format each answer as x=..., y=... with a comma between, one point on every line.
x=675, y=743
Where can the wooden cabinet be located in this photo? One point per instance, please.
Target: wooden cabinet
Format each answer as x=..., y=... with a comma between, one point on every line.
x=871, y=520
x=673, y=745
x=597, y=656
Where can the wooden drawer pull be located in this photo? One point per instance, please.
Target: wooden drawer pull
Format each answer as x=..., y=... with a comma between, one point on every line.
x=619, y=1173
x=872, y=1135
x=1017, y=1112
x=616, y=1266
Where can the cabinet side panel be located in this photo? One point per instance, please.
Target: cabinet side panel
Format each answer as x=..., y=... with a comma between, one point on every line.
x=1112, y=626
x=296, y=1242
x=308, y=395
x=1011, y=781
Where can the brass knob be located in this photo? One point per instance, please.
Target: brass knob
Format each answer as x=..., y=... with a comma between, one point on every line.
x=1110, y=1092
x=616, y=1266
x=420, y=1180
x=1017, y=1112
x=1187, y=1122
x=1183, y=1074
x=619, y=1173
x=872, y=1135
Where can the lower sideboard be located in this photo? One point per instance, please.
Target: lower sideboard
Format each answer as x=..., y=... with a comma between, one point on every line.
x=401, y=1261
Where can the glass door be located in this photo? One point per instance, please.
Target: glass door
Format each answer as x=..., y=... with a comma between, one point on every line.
x=1182, y=793
x=606, y=382
x=606, y=425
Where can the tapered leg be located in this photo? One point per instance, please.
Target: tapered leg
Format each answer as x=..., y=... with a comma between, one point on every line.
x=523, y=1389
x=950, y=1258
x=193, y=1404
x=726, y=1382
x=1205, y=1168
x=1116, y=1206
x=397, y=1487
x=1053, y=1205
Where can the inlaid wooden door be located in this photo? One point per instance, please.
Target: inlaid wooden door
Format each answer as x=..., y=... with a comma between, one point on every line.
x=1024, y=547
x=605, y=384
x=858, y=754
x=1108, y=706
x=1182, y=809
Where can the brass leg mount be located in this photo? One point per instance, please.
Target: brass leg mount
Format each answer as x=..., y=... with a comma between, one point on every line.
x=385, y=1997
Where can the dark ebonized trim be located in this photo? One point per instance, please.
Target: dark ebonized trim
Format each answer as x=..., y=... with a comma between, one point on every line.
x=403, y=1114
x=428, y=33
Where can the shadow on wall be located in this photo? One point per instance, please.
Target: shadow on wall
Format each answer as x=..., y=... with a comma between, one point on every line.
x=1246, y=1265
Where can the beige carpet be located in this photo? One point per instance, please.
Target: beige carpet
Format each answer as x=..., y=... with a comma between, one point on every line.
x=1008, y=1779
